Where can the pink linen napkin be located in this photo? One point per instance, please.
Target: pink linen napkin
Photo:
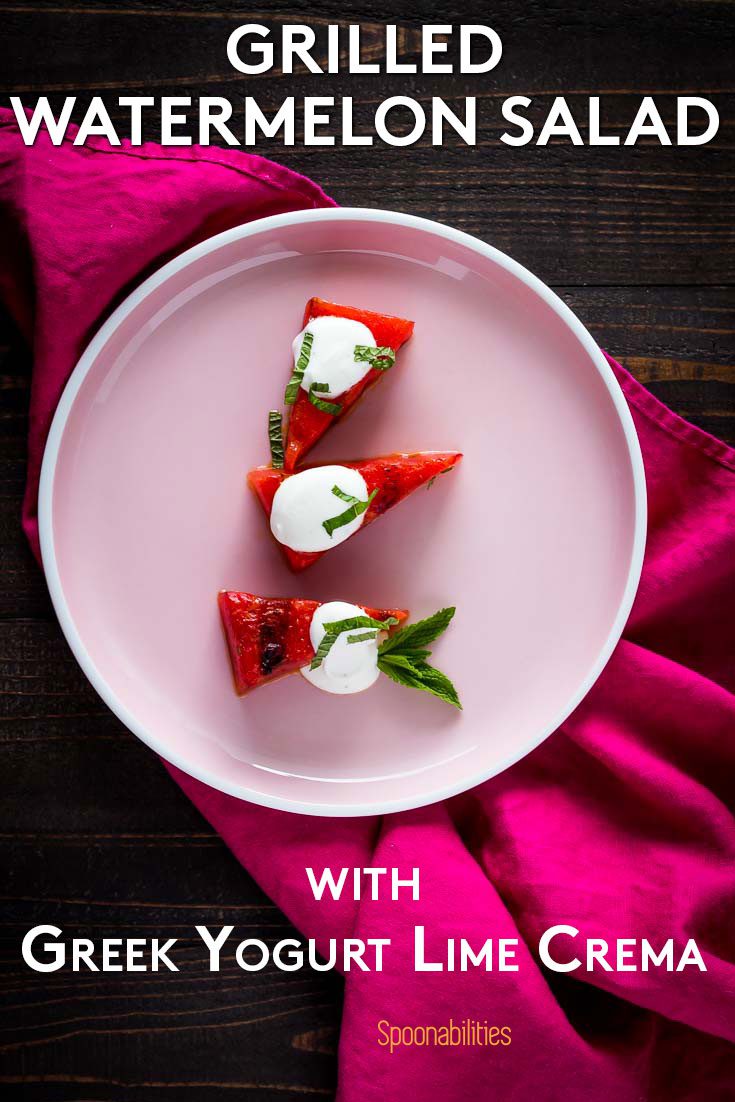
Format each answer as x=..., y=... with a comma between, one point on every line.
x=620, y=824
x=80, y=225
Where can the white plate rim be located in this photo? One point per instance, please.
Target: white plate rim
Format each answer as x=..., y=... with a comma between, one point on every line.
x=116, y=319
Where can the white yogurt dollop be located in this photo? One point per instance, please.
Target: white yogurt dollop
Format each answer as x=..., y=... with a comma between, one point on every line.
x=305, y=500
x=332, y=359
x=349, y=667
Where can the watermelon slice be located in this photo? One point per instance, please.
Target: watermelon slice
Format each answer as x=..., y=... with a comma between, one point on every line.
x=392, y=477
x=308, y=424
x=268, y=637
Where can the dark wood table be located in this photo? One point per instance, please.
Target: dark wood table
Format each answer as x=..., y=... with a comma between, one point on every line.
x=638, y=240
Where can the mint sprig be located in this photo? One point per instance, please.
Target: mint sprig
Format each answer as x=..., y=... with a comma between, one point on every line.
x=302, y=362
x=335, y=628
x=402, y=657
x=355, y=509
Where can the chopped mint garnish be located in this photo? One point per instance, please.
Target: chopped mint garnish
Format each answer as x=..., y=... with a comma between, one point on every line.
x=356, y=509
x=292, y=389
x=326, y=407
x=381, y=358
x=349, y=498
x=362, y=637
x=402, y=657
x=335, y=628
x=275, y=435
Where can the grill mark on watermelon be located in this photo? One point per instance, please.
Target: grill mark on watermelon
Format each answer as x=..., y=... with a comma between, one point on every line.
x=389, y=491
x=272, y=635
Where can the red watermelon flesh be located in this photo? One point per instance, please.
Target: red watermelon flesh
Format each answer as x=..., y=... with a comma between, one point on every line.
x=393, y=476
x=268, y=637
x=308, y=424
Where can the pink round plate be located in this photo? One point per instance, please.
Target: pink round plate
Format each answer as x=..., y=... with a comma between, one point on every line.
x=537, y=537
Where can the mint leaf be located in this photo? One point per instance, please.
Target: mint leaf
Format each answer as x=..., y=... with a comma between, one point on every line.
x=275, y=436
x=381, y=358
x=395, y=673
x=328, y=640
x=363, y=637
x=412, y=664
x=326, y=407
x=292, y=387
x=419, y=634
x=356, y=509
x=402, y=656
x=410, y=655
x=335, y=628
x=349, y=498
x=435, y=682
x=422, y=677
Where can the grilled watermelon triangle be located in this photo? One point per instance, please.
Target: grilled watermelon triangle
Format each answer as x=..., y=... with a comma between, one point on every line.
x=268, y=637
x=394, y=477
x=308, y=424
